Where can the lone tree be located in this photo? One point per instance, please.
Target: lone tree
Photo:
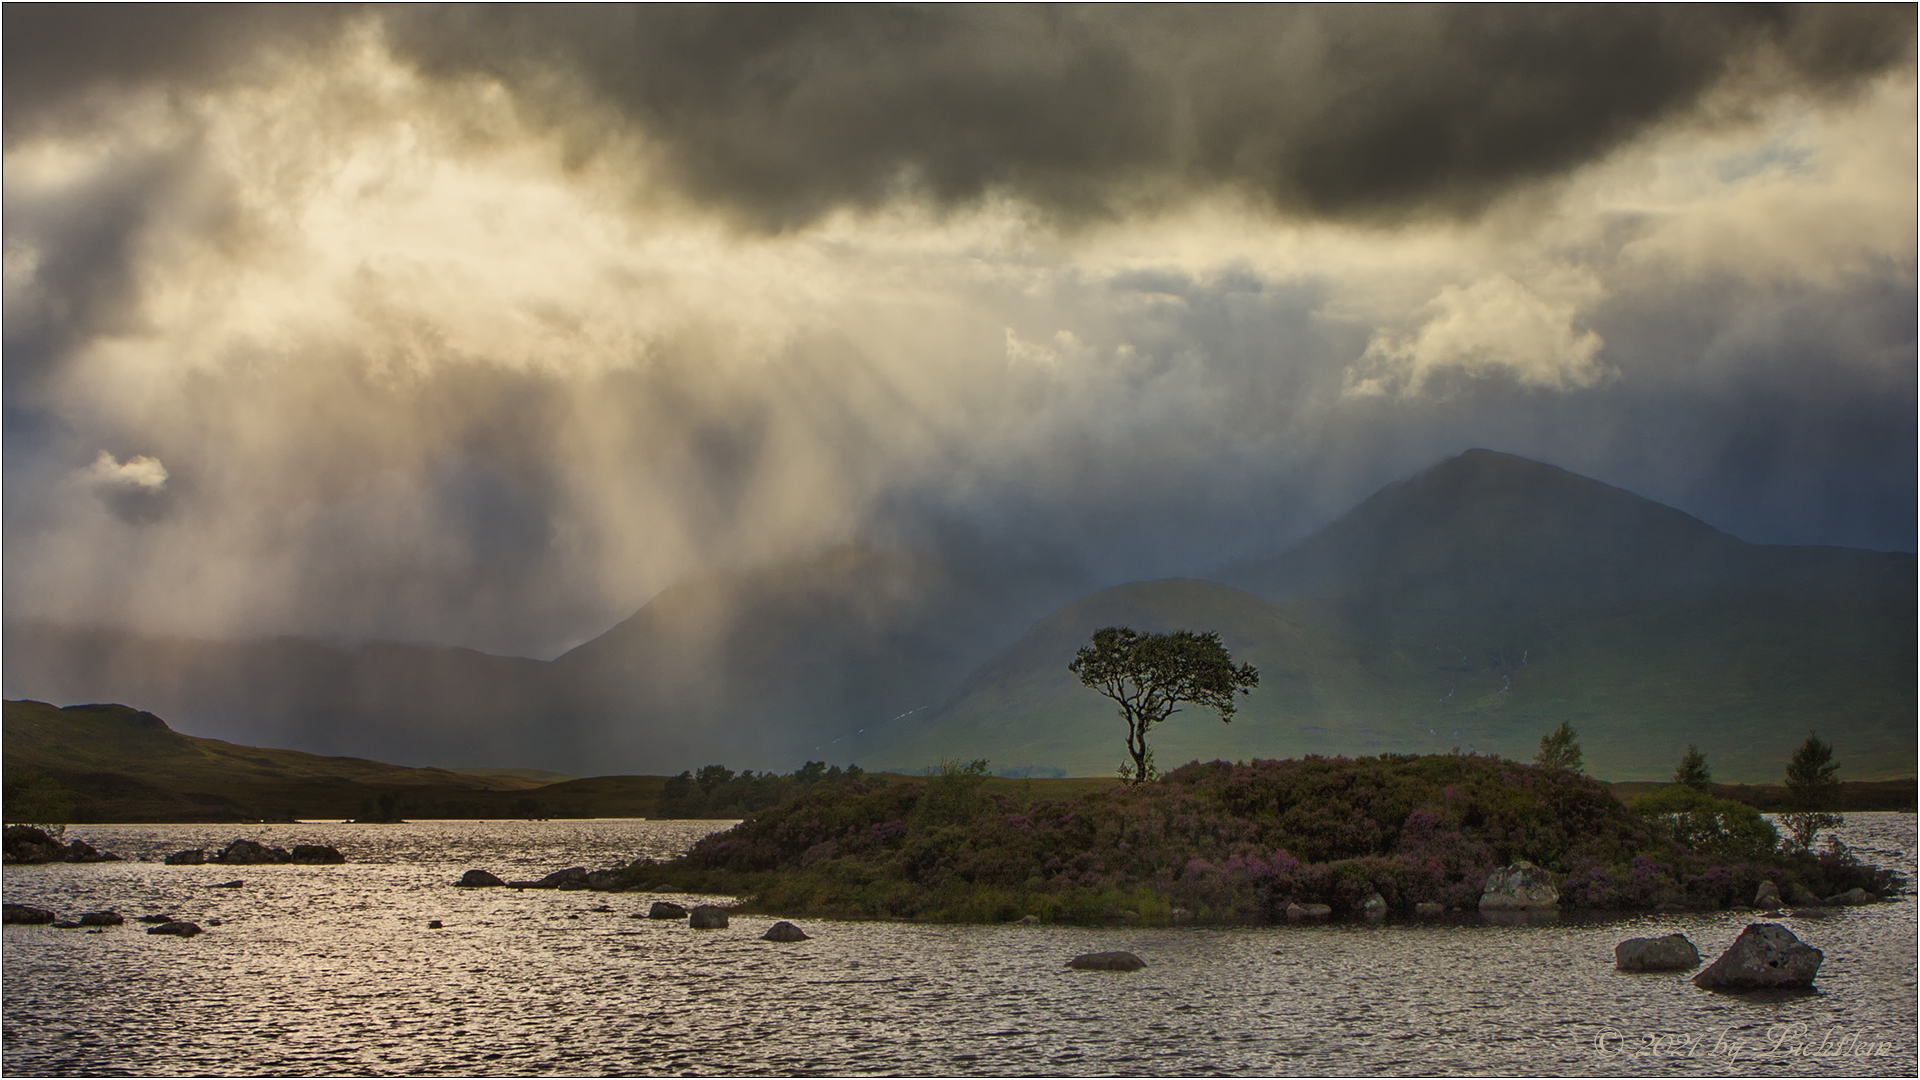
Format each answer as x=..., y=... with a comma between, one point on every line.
x=1560, y=750
x=1693, y=771
x=1150, y=675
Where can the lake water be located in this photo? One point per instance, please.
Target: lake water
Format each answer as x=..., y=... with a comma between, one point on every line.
x=332, y=969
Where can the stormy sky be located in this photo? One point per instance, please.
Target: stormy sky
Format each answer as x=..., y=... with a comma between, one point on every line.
x=480, y=326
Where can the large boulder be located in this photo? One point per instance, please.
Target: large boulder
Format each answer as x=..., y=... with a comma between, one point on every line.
x=102, y=918
x=251, y=853
x=708, y=917
x=26, y=844
x=1374, y=907
x=1766, y=956
x=1107, y=961
x=1768, y=896
x=26, y=914
x=784, y=931
x=189, y=857
x=317, y=855
x=663, y=910
x=1519, y=887
x=478, y=879
x=1671, y=953
x=1800, y=896
x=176, y=929
x=1853, y=898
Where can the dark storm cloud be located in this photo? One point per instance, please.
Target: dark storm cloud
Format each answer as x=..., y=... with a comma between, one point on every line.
x=782, y=113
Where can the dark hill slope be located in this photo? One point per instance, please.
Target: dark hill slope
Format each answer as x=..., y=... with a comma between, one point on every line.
x=114, y=763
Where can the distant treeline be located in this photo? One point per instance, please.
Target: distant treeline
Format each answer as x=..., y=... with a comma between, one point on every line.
x=1850, y=795
x=718, y=792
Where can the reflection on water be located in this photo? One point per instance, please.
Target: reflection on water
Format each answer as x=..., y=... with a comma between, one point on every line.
x=331, y=969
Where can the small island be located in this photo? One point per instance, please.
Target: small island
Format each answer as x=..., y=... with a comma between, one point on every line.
x=1222, y=842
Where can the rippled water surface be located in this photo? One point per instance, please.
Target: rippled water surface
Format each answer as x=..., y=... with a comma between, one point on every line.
x=331, y=969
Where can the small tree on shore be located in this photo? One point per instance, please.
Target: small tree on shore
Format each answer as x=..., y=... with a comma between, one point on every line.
x=1150, y=675
x=1560, y=750
x=1810, y=789
x=1693, y=771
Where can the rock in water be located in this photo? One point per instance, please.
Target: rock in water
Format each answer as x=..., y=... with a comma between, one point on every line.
x=1766, y=956
x=433, y=924
x=1768, y=897
x=1853, y=898
x=708, y=917
x=1296, y=912
x=167, y=918
x=27, y=915
x=1029, y=920
x=26, y=844
x=477, y=879
x=189, y=857
x=572, y=875
x=1800, y=896
x=177, y=929
x=1671, y=953
x=317, y=855
x=1107, y=961
x=251, y=853
x=234, y=884
x=1374, y=907
x=1428, y=909
x=663, y=910
x=101, y=918
x=784, y=931
x=1519, y=887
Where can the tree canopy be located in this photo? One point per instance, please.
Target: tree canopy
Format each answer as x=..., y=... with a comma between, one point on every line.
x=1693, y=771
x=1150, y=675
x=1560, y=750
x=1810, y=781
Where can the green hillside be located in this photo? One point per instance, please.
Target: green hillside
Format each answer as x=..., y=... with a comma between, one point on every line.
x=1479, y=606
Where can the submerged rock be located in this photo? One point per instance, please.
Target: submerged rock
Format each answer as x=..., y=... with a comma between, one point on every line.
x=663, y=910
x=708, y=917
x=1767, y=897
x=1766, y=956
x=1671, y=953
x=189, y=857
x=177, y=929
x=1519, y=887
x=784, y=931
x=102, y=918
x=27, y=915
x=1107, y=961
x=317, y=855
x=477, y=879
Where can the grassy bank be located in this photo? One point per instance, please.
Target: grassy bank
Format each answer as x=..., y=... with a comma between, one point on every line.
x=1237, y=843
